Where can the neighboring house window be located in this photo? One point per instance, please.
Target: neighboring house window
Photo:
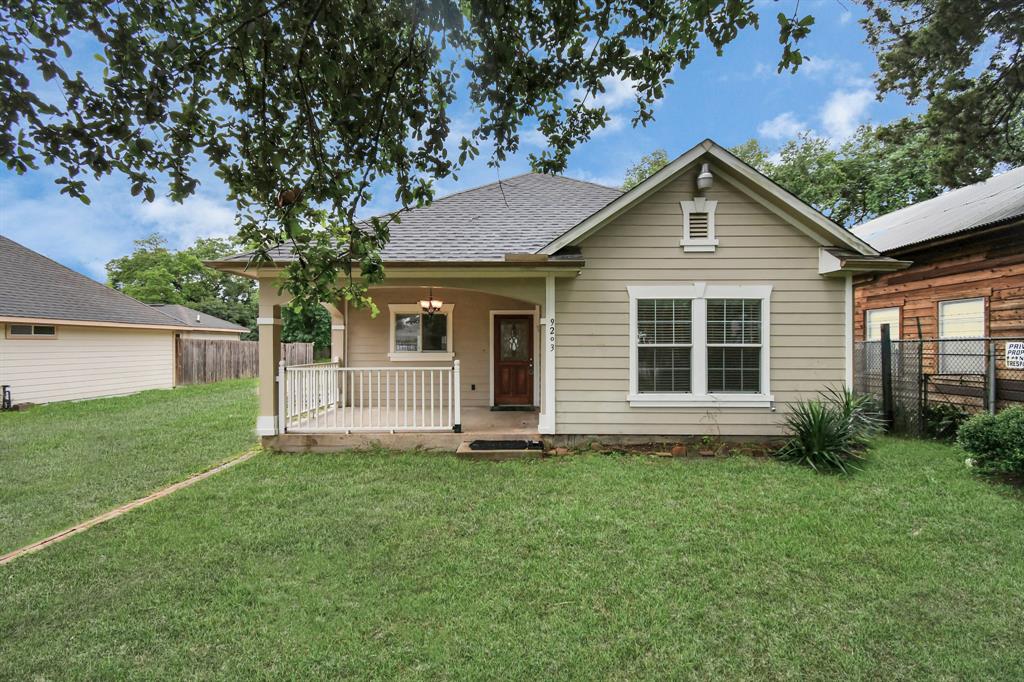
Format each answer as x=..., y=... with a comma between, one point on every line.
x=31, y=331
x=699, y=225
x=962, y=330
x=418, y=336
x=699, y=344
x=874, y=319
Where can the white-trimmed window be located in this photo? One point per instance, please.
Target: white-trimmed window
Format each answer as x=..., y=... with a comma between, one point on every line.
x=699, y=225
x=31, y=331
x=416, y=336
x=874, y=319
x=699, y=344
x=962, y=330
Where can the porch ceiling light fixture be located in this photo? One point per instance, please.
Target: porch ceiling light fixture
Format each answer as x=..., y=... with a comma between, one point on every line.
x=431, y=305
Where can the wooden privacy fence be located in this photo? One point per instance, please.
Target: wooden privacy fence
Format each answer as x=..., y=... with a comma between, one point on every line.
x=202, y=361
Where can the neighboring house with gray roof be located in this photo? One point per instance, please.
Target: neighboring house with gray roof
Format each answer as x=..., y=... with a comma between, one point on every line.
x=64, y=336
x=967, y=277
x=201, y=325
x=705, y=301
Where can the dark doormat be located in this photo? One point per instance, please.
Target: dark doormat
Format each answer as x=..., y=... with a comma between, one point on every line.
x=506, y=445
x=513, y=408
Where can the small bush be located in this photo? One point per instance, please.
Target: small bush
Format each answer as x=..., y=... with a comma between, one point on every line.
x=831, y=434
x=943, y=420
x=995, y=442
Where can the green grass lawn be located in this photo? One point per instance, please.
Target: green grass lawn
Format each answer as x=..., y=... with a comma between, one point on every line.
x=420, y=566
x=66, y=462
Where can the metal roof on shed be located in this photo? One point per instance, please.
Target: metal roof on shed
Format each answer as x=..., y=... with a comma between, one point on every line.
x=996, y=200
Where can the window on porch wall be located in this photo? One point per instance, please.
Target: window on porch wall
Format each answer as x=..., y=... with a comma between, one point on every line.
x=418, y=335
x=418, y=332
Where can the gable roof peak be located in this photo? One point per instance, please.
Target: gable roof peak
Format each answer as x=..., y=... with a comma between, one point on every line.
x=759, y=186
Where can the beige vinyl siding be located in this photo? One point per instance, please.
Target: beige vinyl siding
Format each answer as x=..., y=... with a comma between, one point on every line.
x=369, y=338
x=641, y=247
x=87, y=362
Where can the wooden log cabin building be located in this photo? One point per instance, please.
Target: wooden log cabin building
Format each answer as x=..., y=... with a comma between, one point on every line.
x=965, y=281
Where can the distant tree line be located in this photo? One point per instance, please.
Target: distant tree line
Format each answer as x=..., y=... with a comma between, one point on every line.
x=155, y=273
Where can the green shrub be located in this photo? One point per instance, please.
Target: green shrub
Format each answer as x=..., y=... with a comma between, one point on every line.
x=943, y=420
x=995, y=442
x=830, y=434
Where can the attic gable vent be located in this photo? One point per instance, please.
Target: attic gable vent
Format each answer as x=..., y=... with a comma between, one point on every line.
x=699, y=225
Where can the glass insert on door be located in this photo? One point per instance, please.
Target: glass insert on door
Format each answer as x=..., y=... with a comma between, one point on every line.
x=514, y=340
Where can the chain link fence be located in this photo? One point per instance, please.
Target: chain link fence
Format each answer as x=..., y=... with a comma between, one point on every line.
x=934, y=384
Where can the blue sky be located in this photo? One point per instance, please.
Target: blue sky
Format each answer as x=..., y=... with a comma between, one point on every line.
x=729, y=99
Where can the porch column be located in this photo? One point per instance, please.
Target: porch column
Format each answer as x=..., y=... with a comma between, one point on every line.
x=337, y=332
x=269, y=323
x=546, y=422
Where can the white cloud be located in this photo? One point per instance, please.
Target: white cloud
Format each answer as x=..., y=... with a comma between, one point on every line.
x=783, y=126
x=618, y=92
x=846, y=17
x=86, y=237
x=819, y=66
x=198, y=216
x=844, y=111
x=606, y=180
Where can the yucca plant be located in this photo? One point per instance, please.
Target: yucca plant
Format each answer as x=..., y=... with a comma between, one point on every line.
x=831, y=434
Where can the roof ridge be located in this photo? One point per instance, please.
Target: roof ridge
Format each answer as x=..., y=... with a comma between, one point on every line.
x=91, y=281
x=438, y=200
x=588, y=182
x=194, y=310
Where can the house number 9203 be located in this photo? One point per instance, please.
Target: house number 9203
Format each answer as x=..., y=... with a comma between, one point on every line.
x=551, y=333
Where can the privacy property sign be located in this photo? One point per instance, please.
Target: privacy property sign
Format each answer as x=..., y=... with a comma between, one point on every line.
x=1015, y=354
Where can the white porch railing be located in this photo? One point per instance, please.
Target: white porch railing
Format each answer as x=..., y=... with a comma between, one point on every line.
x=325, y=398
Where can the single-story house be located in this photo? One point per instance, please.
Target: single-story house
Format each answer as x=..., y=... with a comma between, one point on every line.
x=702, y=302
x=201, y=325
x=967, y=277
x=963, y=295
x=64, y=336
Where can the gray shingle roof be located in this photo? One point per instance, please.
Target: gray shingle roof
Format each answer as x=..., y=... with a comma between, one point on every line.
x=33, y=286
x=195, y=318
x=519, y=215
x=998, y=199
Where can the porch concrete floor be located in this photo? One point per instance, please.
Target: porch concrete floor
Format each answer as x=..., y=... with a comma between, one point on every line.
x=477, y=423
x=474, y=420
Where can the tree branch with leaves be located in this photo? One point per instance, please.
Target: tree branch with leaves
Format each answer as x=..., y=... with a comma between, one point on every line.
x=303, y=106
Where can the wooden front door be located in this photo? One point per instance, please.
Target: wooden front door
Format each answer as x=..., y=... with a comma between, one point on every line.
x=513, y=360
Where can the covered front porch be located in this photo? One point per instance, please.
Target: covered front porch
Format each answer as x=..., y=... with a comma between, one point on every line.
x=476, y=363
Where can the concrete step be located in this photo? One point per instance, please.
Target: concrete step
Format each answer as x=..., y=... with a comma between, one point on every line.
x=497, y=454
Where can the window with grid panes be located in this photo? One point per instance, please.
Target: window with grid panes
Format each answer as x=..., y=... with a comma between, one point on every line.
x=664, y=345
x=734, y=345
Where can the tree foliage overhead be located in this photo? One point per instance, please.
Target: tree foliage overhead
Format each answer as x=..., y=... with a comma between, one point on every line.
x=302, y=105
x=965, y=59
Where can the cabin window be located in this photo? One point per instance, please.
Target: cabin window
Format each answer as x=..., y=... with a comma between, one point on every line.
x=31, y=331
x=699, y=344
x=962, y=332
x=699, y=225
x=874, y=319
x=415, y=335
